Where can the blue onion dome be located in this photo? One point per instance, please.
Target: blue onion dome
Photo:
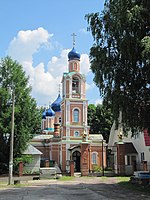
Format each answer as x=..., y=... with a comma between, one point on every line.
x=73, y=55
x=56, y=104
x=44, y=114
x=50, y=112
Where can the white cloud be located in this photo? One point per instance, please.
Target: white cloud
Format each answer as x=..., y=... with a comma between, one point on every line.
x=45, y=84
x=26, y=43
x=58, y=65
x=85, y=64
x=98, y=101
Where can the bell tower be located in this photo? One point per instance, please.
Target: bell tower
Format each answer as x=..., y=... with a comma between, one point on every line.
x=74, y=103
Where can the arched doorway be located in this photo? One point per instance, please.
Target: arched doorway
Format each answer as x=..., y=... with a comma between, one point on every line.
x=76, y=158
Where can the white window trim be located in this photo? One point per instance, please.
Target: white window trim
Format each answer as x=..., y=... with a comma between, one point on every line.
x=73, y=114
x=94, y=160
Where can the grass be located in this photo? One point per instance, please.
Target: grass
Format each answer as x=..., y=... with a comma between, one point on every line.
x=5, y=185
x=66, y=178
x=103, y=178
x=123, y=178
x=2, y=183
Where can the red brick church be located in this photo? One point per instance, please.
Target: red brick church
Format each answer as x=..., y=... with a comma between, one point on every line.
x=64, y=130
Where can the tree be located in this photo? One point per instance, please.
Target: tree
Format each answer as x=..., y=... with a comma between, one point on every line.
x=27, y=116
x=91, y=118
x=120, y=59
x=100, y=120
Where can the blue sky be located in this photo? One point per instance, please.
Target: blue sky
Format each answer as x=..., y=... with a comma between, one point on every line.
x=37, y=33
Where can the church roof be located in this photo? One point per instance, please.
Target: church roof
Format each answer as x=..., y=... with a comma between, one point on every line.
x=56, y=104
x=42, y=137
x=73, y=55
x=50, y=112
x=31, y=150
x=44, y=114
x=74, y=147
x=65, y=74
x=95, y=137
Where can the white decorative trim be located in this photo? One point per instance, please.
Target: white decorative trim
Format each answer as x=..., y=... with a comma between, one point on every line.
x=60, y=155
x=70, y=87
x=68, y=133
x=51, y=158
x=94, y=153
x=85, y=113
x=67, y=154
x=67, y=112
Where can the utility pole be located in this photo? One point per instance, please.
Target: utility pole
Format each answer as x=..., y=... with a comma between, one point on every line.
x=102, y=158
x=10, y=181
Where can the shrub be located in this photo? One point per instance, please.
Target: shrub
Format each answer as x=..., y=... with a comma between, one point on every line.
x=96, y=168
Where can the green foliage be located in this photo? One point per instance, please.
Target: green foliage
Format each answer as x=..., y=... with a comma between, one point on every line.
x=96, y=168
x=27, y=116
x=120, y=59
x=100, y=120
x=26, y=159
x=66, y=178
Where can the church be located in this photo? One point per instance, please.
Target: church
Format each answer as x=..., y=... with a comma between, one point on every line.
x=64, y=136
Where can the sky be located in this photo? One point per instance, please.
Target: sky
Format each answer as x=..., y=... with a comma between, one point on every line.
x=37, y=33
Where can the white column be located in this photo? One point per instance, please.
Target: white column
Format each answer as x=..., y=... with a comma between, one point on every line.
x=68, y=133
x=67, y=156
x=70, y=87
x=67, y=112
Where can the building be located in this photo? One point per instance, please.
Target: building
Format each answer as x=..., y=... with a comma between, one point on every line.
x=65, y=132
x=129, y=153
x=34, y=166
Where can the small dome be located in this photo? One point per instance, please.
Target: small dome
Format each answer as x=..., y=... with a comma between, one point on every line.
x=50, y=112
x=44, y=114
x=56, y=104
x=73, y=55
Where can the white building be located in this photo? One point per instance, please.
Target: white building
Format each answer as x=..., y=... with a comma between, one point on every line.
x=134, y=153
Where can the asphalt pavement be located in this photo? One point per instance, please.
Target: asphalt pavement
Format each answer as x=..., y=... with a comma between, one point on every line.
x=80, y=188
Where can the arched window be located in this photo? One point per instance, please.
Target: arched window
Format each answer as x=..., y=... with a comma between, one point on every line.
x=74, y=66
x=76, y=115
x=94, y=158
x=75, y=85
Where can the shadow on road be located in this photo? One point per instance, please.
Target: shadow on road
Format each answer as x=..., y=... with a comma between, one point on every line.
x=79, y=189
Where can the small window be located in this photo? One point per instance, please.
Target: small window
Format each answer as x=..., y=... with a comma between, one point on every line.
x=75, y=66
x=75, y=85
x=59, y=119
x=76, y=115
x=94, y=158
x=76, y=133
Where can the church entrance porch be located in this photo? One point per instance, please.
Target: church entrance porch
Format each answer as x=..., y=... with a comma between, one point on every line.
x=76, y=158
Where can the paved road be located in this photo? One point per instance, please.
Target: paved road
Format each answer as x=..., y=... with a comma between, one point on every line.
x=79, y=189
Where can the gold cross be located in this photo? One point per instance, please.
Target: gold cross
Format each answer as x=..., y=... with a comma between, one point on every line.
x=73, y=36
x=59, y=89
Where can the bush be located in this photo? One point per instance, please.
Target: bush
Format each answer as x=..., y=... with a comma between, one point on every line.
x=26, y=159
x=96, y=168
